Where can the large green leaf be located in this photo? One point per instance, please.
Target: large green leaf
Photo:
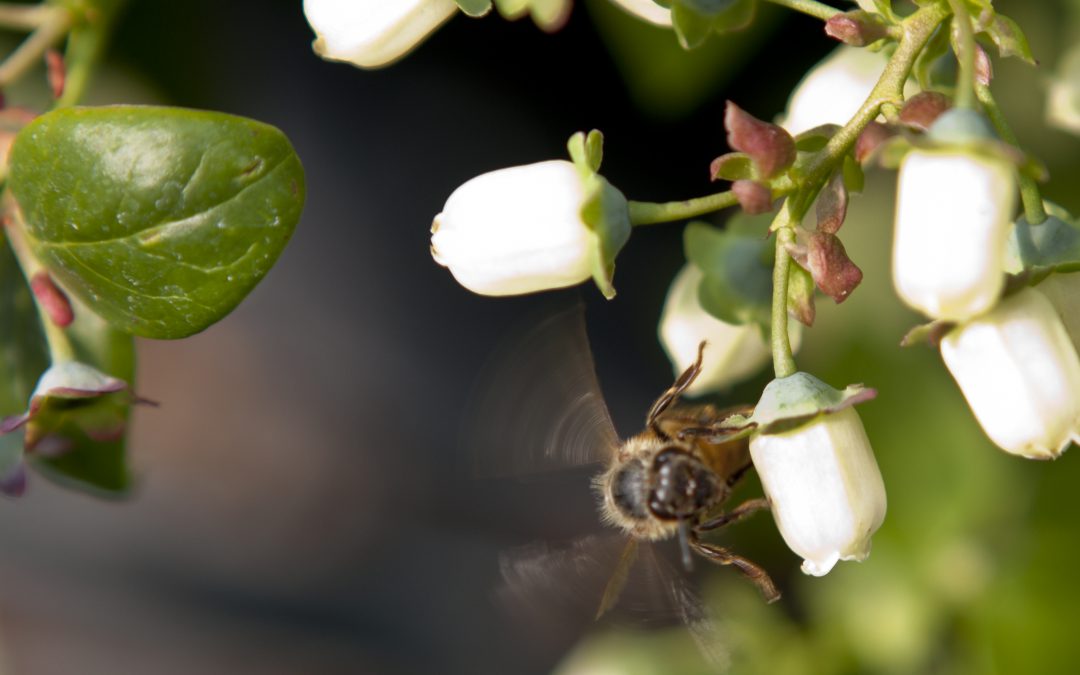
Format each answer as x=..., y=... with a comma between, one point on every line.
x=159, y=219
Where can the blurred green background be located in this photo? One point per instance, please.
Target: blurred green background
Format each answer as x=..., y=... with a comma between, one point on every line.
x=305, y=502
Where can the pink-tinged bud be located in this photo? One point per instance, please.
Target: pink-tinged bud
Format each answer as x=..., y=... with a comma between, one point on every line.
x=55, y=71
x=832, y=269
x=923, y=109
x=771, y=147
x=831, y=205
x=870, y=139
x=857, y=28
x=984, y=69
x=51, y=299
x=754, y=198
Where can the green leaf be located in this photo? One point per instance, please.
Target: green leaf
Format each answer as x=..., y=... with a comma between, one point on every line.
x=928, y=66
x=160, y=219
x=474, y=8
x=1010, y=39
x=737, y=264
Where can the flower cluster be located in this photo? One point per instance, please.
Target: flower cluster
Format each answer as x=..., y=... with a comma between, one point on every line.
x=1009, y=341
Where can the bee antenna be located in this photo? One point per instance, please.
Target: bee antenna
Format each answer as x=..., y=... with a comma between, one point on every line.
x=684, y=545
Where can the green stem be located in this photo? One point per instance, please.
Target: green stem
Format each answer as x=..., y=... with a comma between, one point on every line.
x=60, y=346
x=916, y=31
x=1030, y=195
x=24, y=17
x=783, y=360
x=818, y=10
x=85, y=47
x=650, y=213
x=965, y=55
x=32, y=50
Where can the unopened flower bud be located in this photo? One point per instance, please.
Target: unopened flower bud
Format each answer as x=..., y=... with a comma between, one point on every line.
x=923, y=109
x=373, y=33
x=771, y=147
x=856, y=28
x=1020, y=373
x=953, y=213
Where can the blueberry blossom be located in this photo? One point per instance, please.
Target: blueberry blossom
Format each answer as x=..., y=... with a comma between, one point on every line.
x=1020, y=373
x=534, y=227
x=954, y=210
x=736, y=352
x=818, y=470
x=373, y=33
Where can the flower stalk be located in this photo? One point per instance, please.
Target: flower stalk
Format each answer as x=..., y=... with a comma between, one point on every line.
x=1030, y=195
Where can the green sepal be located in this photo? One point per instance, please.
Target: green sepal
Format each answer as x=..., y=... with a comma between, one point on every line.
x=1053, y=243
x=1009, y=39
x=737, y=266
x=800, y=295
x=605, y=210
x=789, y=402
x=695, y=20
x=965, y=130
x=929, y=333
x=474, y=8
x=733, y=166
x=160, y=219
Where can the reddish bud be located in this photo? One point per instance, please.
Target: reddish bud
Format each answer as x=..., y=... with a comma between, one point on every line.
x=55, y=71
x=832, y=205
x=872, y=136
x=51, y=299
x=923, y=108
x=984, y=70
x=832, y=269
x=857, y=28
x=754, y=198
x=771, y=147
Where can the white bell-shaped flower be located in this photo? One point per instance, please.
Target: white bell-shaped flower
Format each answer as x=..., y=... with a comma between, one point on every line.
x=373, y=33
x=518, y=230
x=736, y=352
x=824, y=486
x=1020, y=373
x=953, y=213
x=834, y=89
x=647, y=10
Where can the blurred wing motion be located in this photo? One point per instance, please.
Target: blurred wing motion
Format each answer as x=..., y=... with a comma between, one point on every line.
x=537, y=405
x=560, y=590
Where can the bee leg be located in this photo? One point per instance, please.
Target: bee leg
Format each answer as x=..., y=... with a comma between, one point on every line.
x=673, y=392
x=749, y=569
x=741, y=511
x=684, y=545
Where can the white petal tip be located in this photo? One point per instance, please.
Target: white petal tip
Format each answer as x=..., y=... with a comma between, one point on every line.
x=821, y=567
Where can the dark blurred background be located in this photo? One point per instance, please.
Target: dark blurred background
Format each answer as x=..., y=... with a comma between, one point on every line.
x=304, y=500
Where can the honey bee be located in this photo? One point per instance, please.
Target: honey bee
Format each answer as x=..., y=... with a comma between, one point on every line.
x=670, y=481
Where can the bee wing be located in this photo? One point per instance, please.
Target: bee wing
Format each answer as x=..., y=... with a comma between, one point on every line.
x=559, y=590
x=538, y=405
